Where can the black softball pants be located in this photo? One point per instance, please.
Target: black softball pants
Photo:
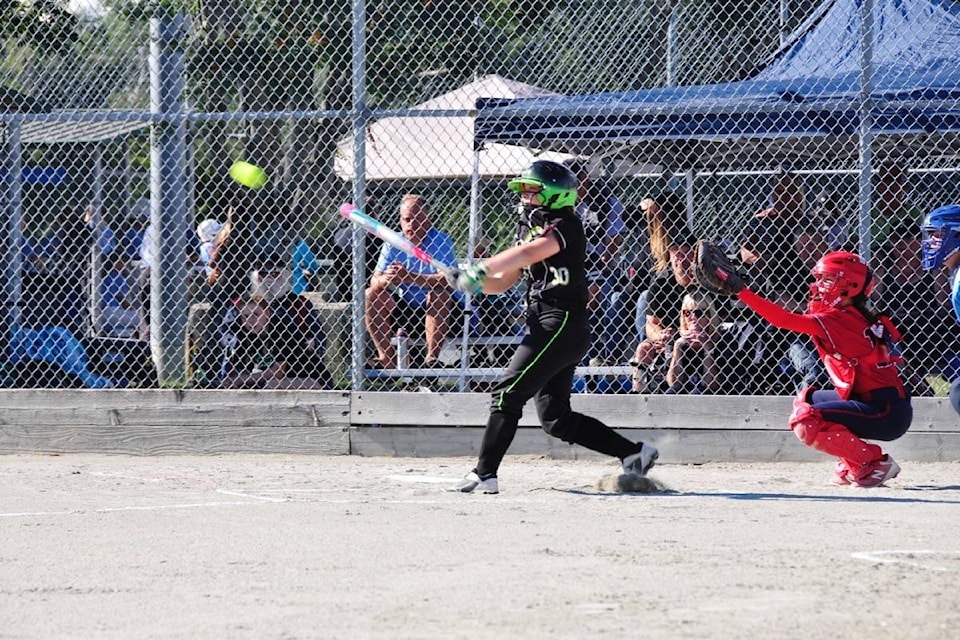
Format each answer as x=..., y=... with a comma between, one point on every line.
x=542, y=368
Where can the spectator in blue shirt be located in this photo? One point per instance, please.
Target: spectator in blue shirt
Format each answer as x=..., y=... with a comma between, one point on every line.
x=403, y=289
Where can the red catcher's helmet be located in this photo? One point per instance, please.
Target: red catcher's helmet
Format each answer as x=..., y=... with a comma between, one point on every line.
x=839, y=274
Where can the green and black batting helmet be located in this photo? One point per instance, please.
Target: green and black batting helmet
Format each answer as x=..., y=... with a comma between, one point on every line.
x=558, y=185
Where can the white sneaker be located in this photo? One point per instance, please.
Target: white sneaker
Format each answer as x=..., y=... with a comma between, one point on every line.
x=472, y=482
x=641, y=462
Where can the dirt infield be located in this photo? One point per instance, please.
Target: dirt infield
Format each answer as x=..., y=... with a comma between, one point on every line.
x=345, y=547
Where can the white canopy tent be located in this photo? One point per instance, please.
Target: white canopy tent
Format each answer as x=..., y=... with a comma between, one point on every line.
x=438, y=147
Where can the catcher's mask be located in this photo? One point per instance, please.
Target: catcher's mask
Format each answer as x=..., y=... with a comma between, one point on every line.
x=941, y=236
x=838, y=275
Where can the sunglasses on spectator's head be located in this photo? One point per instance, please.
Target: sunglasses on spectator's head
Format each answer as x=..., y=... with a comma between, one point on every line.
x=693, y=313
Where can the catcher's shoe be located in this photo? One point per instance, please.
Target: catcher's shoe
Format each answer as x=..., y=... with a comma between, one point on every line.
x=641, y=462
x=471, y=482
x=842, y=474
x=874, y=474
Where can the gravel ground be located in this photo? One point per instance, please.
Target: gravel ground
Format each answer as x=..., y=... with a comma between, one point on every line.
x=254, y=546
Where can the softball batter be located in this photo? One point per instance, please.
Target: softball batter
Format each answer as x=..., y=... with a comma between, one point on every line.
x=551, y=254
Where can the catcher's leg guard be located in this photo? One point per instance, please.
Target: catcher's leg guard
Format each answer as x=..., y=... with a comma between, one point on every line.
x=833, y=439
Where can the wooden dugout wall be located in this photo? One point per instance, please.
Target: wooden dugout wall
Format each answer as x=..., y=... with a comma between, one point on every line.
x=687, y=429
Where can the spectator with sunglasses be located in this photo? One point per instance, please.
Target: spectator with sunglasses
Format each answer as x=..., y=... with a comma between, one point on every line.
x=692, y=366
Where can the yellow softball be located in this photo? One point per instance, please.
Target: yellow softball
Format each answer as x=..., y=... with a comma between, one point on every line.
x=249, y=175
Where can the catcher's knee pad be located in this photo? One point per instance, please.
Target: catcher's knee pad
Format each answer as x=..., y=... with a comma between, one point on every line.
x=807, y=422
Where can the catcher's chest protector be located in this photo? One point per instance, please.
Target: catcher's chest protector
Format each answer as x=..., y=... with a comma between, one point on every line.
x=857, y=361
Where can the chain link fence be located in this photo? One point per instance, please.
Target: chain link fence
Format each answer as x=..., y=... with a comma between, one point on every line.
x=132, y=259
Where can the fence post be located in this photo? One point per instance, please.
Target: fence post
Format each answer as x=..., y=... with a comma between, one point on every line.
x=359, y=115
x=168, y=203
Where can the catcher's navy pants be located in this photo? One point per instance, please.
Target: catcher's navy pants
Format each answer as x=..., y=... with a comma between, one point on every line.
x=884, y=416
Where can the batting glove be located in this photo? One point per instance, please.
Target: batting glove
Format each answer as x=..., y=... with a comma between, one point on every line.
x=471, y=278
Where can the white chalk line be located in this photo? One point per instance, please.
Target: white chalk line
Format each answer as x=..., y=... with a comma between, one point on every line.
x=154, y=507
x=104, y=474
x=252, y=497
x=884, y=557
x=368, y=498
x=244, y=494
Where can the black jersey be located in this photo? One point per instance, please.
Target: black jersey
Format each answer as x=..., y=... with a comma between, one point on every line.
x=561, y=280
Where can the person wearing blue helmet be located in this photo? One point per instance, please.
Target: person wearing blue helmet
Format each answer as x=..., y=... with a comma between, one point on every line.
x=940, y=248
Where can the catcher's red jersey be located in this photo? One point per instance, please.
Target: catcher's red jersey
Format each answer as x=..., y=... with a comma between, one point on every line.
x=853, y=350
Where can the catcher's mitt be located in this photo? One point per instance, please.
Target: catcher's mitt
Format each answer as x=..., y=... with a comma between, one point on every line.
x=715, y=271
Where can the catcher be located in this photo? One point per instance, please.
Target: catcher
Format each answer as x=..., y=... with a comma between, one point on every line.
x=868, y=400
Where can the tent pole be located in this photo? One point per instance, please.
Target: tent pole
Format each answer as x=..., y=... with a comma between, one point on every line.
x=866, y=124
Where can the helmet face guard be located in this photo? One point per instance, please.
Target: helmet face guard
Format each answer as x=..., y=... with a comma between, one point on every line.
x=551, y=181
x=941, y=236
x=839, y=275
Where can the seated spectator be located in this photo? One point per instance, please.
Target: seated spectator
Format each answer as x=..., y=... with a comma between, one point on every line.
x=104, y=236
x=775, y=269
x=893, y=203
x=602, y=214
x=405, y=292
x=692, y=367
x=810, y=241
x=45, y=348
x=120, y=313
x=828, y=214
x=60, y=275
x=801, y=363
x=271, y=279
x=267, y=351
x=52, y=357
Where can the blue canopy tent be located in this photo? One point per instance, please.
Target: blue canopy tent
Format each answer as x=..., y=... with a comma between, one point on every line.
x=808, y=105
x=821, y=102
